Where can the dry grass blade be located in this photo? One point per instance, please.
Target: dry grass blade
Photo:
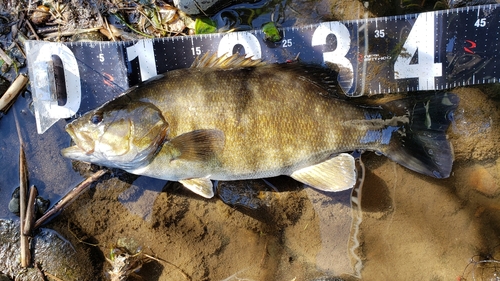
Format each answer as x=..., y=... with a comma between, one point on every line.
x=23, y=188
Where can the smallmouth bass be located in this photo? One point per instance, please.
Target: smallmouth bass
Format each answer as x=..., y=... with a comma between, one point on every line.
x=234, y=118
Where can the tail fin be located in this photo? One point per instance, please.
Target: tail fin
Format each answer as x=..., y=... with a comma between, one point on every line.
x=422, y=145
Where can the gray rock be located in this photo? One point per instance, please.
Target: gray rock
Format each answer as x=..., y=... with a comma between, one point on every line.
x=53, y=253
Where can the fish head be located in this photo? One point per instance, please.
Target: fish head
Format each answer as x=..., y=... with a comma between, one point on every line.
x=121, y=134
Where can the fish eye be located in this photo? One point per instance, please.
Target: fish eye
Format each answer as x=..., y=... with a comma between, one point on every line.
x=96, y=118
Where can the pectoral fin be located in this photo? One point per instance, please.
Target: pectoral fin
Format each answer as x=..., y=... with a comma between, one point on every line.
x=199, y=145
x=335, y=174
x=200, y=186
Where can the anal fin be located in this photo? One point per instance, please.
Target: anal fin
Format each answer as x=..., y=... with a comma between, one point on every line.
x=200, y=186
x=335, y=174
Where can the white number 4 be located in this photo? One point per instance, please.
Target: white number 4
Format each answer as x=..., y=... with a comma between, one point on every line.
x=480, y=22
x=420, y=43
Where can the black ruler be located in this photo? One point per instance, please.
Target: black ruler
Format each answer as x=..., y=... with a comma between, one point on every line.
x=416, y=52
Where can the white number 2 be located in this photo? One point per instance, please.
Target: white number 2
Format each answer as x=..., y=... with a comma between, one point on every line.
x=420, y=41
x=246, y=39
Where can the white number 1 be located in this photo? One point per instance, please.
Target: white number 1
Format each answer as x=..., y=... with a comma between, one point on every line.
x=420, y=41
x=144, y=52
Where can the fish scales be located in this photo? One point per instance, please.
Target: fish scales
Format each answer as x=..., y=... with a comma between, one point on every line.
x=239, y=119
x=271, y=119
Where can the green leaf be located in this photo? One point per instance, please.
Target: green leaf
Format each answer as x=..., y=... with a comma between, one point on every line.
x=204, y=26
x=271, y=32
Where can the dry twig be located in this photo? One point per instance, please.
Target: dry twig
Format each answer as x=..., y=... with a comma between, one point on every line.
x=52, y=276
x=30, y=211
x=12, y=92
x=6, y=57
x=171, y=264
x=68, y=198
x=32, y=30
x=41, y=273
x=69, y=33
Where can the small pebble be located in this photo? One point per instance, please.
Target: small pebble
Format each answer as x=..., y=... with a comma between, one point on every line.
x=41, y=15
x=42, y=205
x=14, y=202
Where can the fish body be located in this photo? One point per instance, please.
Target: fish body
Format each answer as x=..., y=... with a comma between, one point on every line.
x=233, y=118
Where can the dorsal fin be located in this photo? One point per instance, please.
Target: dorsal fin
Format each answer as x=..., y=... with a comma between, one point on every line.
x=225, y=61
x=324, y=77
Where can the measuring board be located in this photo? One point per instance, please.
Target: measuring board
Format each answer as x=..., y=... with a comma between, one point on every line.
x=416, y=52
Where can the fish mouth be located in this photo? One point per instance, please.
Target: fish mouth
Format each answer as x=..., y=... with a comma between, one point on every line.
x=73, y=152
x=84, y=145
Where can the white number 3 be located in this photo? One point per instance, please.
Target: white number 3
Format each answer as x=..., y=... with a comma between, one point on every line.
x=337, y=56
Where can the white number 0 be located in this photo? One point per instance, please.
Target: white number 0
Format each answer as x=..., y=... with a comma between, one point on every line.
x=420, y=41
